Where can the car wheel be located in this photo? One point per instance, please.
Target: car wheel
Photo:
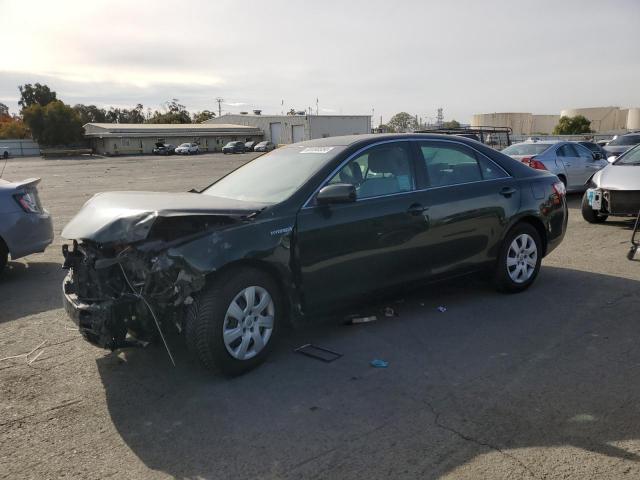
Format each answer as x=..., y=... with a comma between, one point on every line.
x=519, y=260
x=233, y=323
x=589, y=214
x=4, y=255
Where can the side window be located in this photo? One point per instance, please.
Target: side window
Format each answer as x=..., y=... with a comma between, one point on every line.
x=381, y=170
x=490, y=171
x=452, y=165
x=566, y=151
x=583, y=152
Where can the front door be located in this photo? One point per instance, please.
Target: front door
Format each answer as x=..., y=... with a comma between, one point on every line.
x=345, y=250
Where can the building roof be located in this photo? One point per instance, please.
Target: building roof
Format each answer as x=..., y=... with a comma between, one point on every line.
x=166, y=129
x=277, y=116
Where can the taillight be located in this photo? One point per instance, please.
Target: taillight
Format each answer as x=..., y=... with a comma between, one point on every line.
x=533, y=163
x=537, y=164
x=28, y=201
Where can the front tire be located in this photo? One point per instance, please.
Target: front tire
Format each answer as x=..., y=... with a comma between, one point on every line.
x=234, y=322
x=589, y=214
x=519, y=260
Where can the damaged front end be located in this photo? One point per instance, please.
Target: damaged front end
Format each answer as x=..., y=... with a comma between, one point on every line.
x=127, y=294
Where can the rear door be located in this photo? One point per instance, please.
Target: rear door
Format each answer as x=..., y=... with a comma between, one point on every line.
x=469, y=201
x=573, y=165
x=345, y=250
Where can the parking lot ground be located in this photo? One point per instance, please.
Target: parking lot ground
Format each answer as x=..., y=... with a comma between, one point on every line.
x=543, y=384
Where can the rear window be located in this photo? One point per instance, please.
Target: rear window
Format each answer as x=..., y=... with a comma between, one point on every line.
x=526, y=149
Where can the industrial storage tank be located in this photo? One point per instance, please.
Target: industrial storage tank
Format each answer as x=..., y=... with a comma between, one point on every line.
x=603, y=119
x=633, y=119
x=519, y=122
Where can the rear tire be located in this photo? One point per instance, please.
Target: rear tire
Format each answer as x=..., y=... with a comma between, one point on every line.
x=4, y=256
x=249, y=339
x=589, y=214
x=520, y=258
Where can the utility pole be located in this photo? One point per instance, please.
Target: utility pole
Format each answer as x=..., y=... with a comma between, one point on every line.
x=317, y=101
x=440, y=118
x=219, y=100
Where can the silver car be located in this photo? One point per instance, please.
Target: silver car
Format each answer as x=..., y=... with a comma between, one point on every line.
x=615, y=190
x=571, y=162
x=25, y=227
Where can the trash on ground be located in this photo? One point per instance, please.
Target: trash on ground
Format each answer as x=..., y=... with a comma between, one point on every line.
x=389, y=312
x=442, y=309
x=26, y=355
x=356, y=319
x=318, y=353
x=377, y=363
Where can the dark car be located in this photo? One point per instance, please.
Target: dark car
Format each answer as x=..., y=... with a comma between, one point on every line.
x=595, y=148
x=234, y=147
x=306, y=229
x=248, y=146
x=621, y=144
x=264, y=147
x=164, y=149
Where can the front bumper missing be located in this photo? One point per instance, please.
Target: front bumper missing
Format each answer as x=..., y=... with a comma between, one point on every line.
x=102, y=323
x=620, y=203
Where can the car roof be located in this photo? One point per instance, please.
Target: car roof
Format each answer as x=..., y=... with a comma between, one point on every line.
x=364, y=139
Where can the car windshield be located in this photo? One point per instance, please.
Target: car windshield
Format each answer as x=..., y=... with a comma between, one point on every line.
x=591, y=146
x=526, y=149
x=625, y=140
x=275, y=176
x=630, y=157
x=263, y=143
x=185, y=145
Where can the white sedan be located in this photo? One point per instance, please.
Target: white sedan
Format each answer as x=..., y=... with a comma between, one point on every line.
x=187, y=149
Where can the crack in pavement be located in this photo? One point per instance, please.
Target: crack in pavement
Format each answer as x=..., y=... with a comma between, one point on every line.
x=467, y=438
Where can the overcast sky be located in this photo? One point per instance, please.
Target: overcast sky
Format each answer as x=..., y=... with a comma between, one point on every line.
x=354, y=56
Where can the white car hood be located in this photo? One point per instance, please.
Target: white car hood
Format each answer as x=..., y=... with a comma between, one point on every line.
x=618, y=177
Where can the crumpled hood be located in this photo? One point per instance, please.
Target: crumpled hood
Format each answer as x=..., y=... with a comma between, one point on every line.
x=126, y=217
x=618, y=177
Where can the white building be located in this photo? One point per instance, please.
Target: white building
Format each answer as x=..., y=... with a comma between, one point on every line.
x=281, y=129
x=139, y=138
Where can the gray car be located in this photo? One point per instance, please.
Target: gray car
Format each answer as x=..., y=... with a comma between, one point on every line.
x=621, y=144
x=25, y=227
x=615, y=190
x=571, y=162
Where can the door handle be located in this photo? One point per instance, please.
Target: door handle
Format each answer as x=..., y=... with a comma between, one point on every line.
x=507, y=191
x=417, y=209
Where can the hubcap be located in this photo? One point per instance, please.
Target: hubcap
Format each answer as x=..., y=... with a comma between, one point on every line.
x=522, y=258
x=248, y=323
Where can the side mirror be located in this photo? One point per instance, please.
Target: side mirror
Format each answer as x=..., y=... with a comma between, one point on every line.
x=336, y=193
x=597, y=156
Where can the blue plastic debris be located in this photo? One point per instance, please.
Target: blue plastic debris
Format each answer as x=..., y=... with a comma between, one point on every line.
x=442, y=309
x=377, y=363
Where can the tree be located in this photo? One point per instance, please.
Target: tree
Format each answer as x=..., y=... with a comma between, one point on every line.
x=173, y=112
x=203, y=116
x=451, y=124
x=54, y=124
x=403, y=122
x=13, y=127
x=32, y=94
x=4, y=111
x=90, y=113
x=124, y=115
x=572, y=125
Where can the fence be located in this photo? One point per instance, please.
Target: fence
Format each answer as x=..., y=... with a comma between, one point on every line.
x=19, y=148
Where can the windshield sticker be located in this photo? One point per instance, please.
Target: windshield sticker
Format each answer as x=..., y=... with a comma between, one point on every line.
x=317, y=149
